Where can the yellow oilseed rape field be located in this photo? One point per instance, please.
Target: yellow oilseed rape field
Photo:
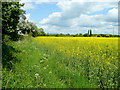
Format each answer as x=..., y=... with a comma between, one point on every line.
x=63, y=62
x=95, y=58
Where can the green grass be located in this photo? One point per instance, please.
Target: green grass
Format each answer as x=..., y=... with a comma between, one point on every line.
x=38, y=68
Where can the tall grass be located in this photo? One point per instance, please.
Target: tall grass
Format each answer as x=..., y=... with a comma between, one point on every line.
x=37, y=68
x=49, y=62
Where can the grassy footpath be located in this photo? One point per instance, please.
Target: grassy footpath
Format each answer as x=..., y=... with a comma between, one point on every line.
x=37, y=67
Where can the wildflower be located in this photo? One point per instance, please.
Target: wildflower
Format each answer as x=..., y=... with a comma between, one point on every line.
x=50, y=72
x=36, y=66
x=36, y=75
x=44, y=84
x=44, y=54
x=44, y=68
x=47, y=65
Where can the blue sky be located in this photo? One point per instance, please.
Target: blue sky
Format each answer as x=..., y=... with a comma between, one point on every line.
x=73, y=17
x=42, y=11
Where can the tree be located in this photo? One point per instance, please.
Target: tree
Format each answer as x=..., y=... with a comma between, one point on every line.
x=80, y=35
x=90, y=32
x=68, y=34
x=11, y=13
x=86, y=35
x=41, y=32
x=26, y=27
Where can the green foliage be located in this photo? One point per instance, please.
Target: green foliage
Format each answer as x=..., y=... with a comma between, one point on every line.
x=90, y=32
x=26, y=27
x=8, y=59
x=80, y=35
x=77, y=35
x=35, y=33
x=41, y=32
x=11, y=13
x=86, y=35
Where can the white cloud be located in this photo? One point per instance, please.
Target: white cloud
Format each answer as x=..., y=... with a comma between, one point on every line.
x=28, y=5
x=74, y=18
x=52, y=19
x=42, y=1
x=112, y=15
x=46, y=1
x=73, y=9
x=25, y=1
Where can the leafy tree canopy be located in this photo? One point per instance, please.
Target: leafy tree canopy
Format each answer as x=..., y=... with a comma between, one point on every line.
x=26, y=27
x=11, y=13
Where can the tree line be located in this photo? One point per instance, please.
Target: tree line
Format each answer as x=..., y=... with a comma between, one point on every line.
x=82, y=35
x=89, y=34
